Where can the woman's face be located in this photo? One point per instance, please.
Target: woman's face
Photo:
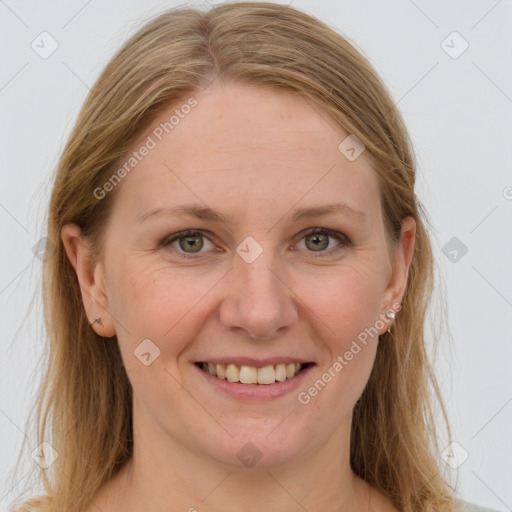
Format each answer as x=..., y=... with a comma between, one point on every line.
x=249, y=171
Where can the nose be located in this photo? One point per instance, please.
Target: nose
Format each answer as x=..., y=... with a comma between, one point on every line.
x=258, y=304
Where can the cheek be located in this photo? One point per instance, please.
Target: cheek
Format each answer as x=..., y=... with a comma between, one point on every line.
x=346, y=306
x=346, y=299
x=161, y=304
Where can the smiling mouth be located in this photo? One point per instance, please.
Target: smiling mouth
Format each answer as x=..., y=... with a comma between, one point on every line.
x=252, y=375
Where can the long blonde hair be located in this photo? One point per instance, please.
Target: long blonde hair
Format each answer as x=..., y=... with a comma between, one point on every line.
x=84, y=403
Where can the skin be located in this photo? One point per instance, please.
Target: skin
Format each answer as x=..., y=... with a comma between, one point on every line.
x=256, y=154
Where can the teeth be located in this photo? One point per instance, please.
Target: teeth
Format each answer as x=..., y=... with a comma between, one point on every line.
x=266, y=375
x=252, y=375
x=248, y=375
x=232, y=373
x=281, y=372
x=221, y=371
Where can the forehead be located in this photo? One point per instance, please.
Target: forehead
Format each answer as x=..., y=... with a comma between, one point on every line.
x=241, y=148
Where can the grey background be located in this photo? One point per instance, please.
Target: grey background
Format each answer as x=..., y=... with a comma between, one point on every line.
x=458, y=111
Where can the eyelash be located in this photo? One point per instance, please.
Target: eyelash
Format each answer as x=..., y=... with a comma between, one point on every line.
x=340, y=237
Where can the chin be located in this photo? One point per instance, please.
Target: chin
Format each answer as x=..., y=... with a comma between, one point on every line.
x=258, y=447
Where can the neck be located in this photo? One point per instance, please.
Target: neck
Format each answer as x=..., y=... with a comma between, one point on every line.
x=276, y=490
x=315, y=481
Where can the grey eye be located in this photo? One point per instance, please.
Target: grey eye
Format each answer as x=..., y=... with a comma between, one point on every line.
x=190, y=242
x=318, y=241
x=193, y=242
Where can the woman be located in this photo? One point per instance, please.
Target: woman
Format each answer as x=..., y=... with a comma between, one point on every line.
x=238, y=292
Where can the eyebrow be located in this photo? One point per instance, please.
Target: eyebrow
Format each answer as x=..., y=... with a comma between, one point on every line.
x=207, y=214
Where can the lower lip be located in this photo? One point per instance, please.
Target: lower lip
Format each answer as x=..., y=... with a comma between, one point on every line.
x=255, y=391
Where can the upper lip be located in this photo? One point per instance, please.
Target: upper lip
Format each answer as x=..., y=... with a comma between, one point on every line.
x=251, y=361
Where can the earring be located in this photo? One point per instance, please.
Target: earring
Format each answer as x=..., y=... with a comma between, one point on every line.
x=98, y=320
x=391, y=315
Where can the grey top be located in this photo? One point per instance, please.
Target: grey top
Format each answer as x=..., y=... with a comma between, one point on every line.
x=471, y=507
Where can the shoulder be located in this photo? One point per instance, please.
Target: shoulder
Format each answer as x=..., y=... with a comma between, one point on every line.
x=471, y=507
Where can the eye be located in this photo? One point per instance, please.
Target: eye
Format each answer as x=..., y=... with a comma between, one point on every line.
x=318, y=239
x=192, y=240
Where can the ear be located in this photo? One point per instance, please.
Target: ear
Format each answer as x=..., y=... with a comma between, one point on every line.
x=91, y=277
x=397, y=284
